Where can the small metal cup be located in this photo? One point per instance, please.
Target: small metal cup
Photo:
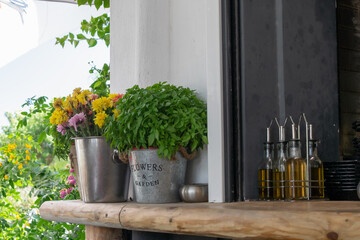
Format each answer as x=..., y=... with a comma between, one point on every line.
x=194, y=193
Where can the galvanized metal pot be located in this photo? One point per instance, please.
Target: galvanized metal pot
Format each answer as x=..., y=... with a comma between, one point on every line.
x=101, y=178
x=156, y=180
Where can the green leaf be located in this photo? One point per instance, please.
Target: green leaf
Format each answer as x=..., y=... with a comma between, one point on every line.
x=80, y=36
x=107, y=39
x=106, y=3
x=92, y=42
x=151, y=139
x=98, y=4
x=82, y=2
x=42, y=137
x=11, y=183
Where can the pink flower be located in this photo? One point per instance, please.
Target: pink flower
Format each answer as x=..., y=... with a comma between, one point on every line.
x=60, y=128
x=93, y=96
x=72, y=182
x=71, y=177
x=69, y=190
x=62, y=194
x=76, y=120
x=71, y=170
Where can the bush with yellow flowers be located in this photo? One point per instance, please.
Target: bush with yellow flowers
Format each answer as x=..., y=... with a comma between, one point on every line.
x=25, y=183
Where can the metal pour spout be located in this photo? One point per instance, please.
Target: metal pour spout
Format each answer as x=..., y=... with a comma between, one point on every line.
x=281, y=130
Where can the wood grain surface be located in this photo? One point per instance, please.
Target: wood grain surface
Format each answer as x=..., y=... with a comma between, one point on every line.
x=242, y=220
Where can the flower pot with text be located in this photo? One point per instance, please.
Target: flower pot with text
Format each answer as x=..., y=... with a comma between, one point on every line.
x=102, y=178
x=156, y=180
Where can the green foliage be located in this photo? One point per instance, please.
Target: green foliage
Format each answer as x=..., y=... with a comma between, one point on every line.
x=101, y=86
x=163, y=116
x=98, y=28
x=97, y=3
x=25, y=183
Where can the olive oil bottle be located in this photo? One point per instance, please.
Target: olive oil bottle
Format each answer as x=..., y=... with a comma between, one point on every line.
x=316, y=170
x=295, y=170
x=265, y=185
x=279, y=165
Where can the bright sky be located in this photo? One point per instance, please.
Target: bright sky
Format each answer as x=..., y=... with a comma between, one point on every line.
x=30, y=62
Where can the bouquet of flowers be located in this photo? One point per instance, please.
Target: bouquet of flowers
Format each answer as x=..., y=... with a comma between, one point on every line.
x=83, y=113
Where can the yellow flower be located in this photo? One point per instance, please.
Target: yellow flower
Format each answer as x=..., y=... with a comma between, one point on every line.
x=100, y=119
x=27, y=152
x=12, y=156
x=17, y=217
x=6, y=177
x=26, y=162
x=101, y=104
x=28, y=146
x=0, y=164
x=67, y=104
x=59, y=116
x=58, y=102
x=16, y=162
x=83, y=96
x=20, y=166
x=27, y=158
x=116, y=113
x=11, y=147
x=76, y=92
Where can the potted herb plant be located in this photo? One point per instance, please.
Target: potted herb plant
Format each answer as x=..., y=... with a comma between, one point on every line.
x=81, y=116
x=159, y=127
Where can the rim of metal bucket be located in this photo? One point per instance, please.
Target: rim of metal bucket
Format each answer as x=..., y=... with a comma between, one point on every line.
x=92, y=137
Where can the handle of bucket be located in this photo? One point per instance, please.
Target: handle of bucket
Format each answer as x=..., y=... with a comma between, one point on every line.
x=115, y=157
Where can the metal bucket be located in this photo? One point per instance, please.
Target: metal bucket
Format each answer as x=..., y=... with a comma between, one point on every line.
x=101, y=178
x=156, y=180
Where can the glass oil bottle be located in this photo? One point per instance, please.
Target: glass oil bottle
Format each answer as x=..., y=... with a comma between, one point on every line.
x=295, y=168
x=265, y=185
x=278, y=171
x=316, y=169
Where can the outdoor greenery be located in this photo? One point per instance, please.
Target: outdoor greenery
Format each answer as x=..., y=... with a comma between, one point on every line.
x=25, y=185
x=162, y=116
x=33, y=153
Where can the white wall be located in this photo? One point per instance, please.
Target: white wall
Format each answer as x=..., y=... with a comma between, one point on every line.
x=177, y=41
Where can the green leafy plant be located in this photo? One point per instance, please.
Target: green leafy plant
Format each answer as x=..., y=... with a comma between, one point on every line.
x=101, y=85
x=97, y=3
x=161, y=116
x=98, y=28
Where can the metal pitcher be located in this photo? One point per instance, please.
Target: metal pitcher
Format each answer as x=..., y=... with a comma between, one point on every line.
x=102, y=179
x=156, y=180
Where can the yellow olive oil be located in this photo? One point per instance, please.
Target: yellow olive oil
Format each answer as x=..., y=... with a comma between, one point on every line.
x=278, y=185
x=265, y=184
x=295, y=179
x=317, y=183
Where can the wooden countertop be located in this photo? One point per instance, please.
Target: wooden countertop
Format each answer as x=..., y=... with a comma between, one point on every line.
x=259, y=220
